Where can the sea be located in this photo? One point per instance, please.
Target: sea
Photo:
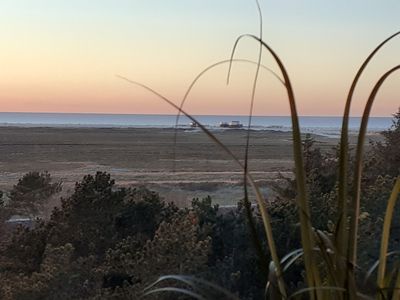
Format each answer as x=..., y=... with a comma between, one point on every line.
x=322, y=125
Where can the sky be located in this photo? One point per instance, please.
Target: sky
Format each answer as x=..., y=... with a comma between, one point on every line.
x=63, y=56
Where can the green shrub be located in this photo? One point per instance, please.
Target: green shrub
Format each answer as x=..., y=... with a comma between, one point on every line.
x=30, y=194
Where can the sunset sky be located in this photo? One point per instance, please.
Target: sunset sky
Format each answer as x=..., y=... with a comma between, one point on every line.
x=62, y=56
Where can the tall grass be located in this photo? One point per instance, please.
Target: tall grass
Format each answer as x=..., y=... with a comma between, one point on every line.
x=334, y=256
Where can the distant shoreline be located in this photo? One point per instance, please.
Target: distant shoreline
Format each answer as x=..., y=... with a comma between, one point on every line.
x=324, y=126
x=335, y=133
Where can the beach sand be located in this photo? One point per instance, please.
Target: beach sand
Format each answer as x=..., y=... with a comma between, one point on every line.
x=195, y=167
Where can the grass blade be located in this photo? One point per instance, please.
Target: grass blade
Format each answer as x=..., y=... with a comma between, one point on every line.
x=386, y=233
x=180, y=278
x=396, y=291
x=247, y=204
x=175, y=290
x=253, y=95
x=320, y=288
x=372, y=269
x=312, y=273
x=294, y=258
x=195, y=283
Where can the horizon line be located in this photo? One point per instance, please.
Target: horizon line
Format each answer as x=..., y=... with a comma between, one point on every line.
x=182, y=115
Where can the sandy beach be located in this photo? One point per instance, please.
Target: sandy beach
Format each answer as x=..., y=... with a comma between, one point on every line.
x=195, y=167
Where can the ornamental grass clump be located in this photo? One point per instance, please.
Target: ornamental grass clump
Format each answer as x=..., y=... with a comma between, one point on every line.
x=329, y=261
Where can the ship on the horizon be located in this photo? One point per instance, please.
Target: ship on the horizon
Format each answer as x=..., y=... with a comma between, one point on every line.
x=232, y=124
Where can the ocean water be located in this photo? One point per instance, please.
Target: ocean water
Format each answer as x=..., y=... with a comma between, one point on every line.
x=328, y=126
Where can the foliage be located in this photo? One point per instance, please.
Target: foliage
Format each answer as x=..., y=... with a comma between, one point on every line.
x=233, y=262
x=23, y=251
x=59, y=276
x=98, y=215
x=100, y=232
x=321, y=179
x=385, y=155
x=175, y=247
x=31, y=192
